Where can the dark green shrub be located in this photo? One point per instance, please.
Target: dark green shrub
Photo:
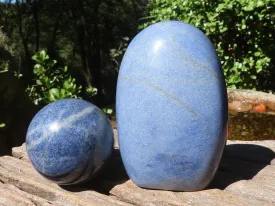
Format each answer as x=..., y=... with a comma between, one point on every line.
x=6, y=52
x=242, y=32
x=51, y=82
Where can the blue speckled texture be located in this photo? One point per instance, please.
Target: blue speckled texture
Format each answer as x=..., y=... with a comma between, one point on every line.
x=69, y=140
x=171, y=108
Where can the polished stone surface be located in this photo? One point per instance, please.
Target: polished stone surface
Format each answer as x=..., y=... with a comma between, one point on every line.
x=171, y=108
x=69, y=140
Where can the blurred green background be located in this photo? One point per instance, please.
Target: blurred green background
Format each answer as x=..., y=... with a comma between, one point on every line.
x=74, y=48
x=57, y=49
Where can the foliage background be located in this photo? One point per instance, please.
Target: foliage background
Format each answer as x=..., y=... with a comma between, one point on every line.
x=84, y=42
x=56, y=49
x=72, y=48
x=242, y=31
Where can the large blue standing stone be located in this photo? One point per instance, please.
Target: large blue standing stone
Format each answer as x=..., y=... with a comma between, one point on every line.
x=171, y=108
x=69, y=140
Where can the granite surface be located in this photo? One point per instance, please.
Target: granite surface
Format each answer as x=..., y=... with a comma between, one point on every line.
x=171, y=108
x=69, y=140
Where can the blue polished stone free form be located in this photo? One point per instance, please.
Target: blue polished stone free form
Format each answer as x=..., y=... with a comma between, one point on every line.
x=69, y=140
x=171, y=108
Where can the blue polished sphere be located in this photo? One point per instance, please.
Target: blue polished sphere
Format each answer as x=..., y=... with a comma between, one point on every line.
x=69, y=140
x=171, y=108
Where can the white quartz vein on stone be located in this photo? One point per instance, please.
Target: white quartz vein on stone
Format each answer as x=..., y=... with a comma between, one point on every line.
x=67, y=122
x=162, y=91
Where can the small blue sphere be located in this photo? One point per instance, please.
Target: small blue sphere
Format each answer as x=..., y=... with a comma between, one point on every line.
x=69, y=140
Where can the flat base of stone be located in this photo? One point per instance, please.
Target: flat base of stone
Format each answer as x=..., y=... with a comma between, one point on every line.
x=245, y=177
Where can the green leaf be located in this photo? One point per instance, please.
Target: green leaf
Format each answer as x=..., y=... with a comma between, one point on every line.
x=51, y=83
x=54, y=94
x=63, y=94
x=38, y=82
x=107, y=111
x=44, y=55
x=256, y=54
x=91, y=91
x=2, y=125
x=45, y=81
x=67, y=84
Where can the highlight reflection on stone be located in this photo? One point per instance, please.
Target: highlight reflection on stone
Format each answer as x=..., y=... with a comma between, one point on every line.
x=69, y=140
x=171, y=108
